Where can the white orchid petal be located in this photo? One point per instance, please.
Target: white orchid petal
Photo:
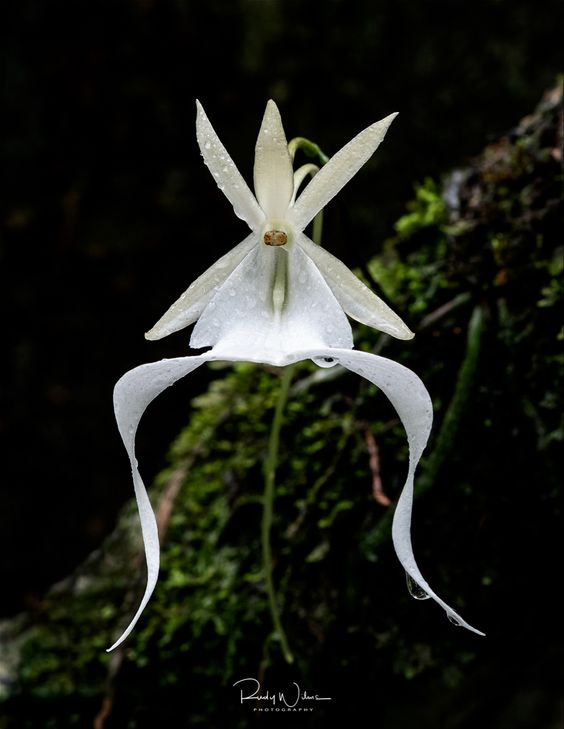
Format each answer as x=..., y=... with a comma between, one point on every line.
x=240, y=303
x=193, y=301
x=132, y=394
x=358, y=301
x=273, y=173
x=334, y=175
x=274, y=302
x=225, y=173
x=311, y=304
x=412, y=402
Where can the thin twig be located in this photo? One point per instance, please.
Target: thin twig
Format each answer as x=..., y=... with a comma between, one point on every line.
x=170, y=494
x=116, y=661
x=105, y=711
x=443, y=310
x=374, y=461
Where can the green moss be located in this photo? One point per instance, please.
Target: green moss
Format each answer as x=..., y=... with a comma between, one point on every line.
x=426, y=210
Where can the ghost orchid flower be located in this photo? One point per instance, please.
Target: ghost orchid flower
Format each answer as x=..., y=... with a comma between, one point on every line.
x=278, y=298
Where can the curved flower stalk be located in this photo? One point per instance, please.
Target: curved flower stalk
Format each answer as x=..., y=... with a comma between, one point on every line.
x=278, y=298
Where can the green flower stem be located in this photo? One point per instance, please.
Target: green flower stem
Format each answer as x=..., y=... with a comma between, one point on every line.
x=268, y=503
x=310, y=149
x=465, y=386
x=317, y=229
x=271, y=463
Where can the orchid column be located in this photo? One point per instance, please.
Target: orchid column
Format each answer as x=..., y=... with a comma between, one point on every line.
x=278, y=298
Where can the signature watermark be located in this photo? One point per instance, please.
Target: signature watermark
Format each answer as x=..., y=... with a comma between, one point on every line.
x=291, y=699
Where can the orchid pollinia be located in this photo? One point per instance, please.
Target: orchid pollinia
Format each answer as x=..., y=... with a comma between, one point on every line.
x=278, y=298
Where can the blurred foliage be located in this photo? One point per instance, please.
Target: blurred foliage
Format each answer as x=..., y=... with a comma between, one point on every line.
x=476, y=268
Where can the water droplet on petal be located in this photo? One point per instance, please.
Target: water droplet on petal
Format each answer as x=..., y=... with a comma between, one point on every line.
x=454, y=620
x=325, y=361
x=207, y=145
x=415, y=590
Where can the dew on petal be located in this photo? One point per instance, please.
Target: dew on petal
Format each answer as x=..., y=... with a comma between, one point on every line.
x=415, y=590
x=325, y=361
x=454, y=620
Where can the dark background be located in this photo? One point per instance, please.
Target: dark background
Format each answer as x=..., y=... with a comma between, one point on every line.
x=108, y=212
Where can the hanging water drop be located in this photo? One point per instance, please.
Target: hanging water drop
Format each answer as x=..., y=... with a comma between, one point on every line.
x=415, y=590
x=325, y=361
x=454, y=620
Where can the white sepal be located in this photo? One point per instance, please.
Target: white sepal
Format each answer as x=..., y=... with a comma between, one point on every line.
x=193, y=301
x=334, y=175
x=273, y=172
x=358, y=301
x=225, y=173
